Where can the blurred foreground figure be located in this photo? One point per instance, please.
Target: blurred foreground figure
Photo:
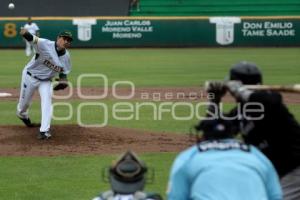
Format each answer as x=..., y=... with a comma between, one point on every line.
x=219, y=167
x=269, y=126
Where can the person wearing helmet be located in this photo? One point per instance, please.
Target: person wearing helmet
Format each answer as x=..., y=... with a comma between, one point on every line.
x=246, y=72
x=221, y=167
x=275, y=132
x=127, y=177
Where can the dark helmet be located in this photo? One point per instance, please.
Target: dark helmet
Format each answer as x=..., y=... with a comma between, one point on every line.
x=127, y=174
x=246, y=72
x=216, y=129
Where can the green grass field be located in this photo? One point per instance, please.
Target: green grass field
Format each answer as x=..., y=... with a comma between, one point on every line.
x=67, y=177
x=165, y=67
x=79, y=177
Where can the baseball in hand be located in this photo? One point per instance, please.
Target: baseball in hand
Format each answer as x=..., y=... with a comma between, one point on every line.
x=11, y=6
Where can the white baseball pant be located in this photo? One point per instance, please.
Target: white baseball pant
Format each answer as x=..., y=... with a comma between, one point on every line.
x=28, y=86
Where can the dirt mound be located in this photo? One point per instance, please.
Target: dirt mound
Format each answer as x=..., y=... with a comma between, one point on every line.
x=72, y=139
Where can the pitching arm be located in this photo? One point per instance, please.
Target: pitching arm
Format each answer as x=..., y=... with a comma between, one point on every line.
x=28, y=36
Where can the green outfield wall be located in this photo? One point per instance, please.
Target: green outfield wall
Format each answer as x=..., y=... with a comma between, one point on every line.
x=162, y=31
x=216, y=8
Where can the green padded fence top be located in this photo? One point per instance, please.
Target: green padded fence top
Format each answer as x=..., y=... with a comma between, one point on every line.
x=216, y=8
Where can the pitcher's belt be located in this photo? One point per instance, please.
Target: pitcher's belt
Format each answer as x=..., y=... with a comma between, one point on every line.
x=40, y=79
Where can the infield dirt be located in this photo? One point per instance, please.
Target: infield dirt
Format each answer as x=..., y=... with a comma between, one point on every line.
x=72, y=139
x=75, y=140
x=148, y=94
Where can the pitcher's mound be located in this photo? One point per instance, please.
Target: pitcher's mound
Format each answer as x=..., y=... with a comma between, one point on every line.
x=72, y=139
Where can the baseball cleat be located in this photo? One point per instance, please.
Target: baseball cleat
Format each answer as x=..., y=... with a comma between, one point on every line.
x=44, y=135
x=28, y=122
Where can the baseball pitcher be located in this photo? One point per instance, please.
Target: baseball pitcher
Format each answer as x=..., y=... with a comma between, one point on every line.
x=51, y=59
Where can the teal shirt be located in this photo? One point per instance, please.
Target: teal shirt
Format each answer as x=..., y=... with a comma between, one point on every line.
x=223, y=170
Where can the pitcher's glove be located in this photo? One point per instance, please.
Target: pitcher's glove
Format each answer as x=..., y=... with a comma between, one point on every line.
x=62, y=84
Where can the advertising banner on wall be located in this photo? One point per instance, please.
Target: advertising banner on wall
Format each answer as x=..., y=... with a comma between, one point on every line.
x=162, y=31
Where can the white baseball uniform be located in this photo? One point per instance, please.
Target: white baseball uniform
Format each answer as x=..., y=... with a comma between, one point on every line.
x=38, y=74
x=33, y=29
